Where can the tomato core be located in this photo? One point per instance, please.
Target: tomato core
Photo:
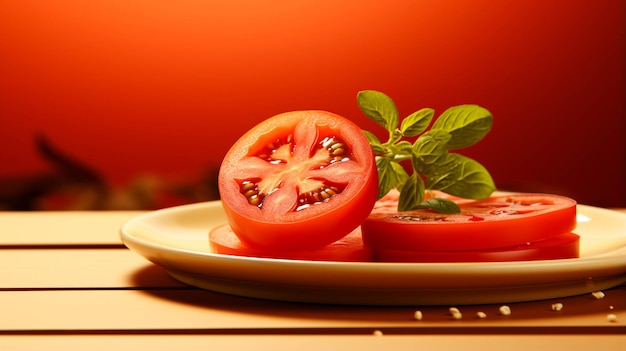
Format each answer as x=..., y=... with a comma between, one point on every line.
x=280, y=154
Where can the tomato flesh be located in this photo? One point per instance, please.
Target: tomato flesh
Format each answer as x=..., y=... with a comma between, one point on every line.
x=562, y=246
x=350, y=248
x=500, y=221
x=299, y=180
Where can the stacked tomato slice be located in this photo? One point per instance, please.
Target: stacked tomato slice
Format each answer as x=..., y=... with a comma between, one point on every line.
x=350, y=248
x=502, y=228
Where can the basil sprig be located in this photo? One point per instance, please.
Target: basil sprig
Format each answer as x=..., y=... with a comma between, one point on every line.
x=434, y=167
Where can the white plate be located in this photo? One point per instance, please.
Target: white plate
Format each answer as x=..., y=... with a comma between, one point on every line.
x=176, y=238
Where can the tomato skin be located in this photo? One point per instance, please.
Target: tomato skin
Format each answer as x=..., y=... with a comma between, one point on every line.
x=479, y=226
x=276, y=224
x=562, y=246
x=347, y=249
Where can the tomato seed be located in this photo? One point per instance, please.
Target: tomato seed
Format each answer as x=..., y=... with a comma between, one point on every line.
x=337, y=149
x=247, y=185
x=337, y=145
x=254, y=200
x=251, y=192
x=510, y=212
x=327, y=142
x=317, y=197
x=331, y=191
x=338, y=152
x=417, y=218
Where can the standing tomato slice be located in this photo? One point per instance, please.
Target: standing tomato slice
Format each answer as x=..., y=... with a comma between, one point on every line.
x=497, y=222
x=299, y=180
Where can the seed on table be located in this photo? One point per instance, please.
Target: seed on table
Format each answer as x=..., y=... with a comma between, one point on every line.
x=481, y=314
x=456, y=314
x=611, y=317
x=557, y=306
x=505, y=310
x=598, y=294
x=418, y=315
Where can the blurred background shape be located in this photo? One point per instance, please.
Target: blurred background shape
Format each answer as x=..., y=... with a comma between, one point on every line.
x=131, y=104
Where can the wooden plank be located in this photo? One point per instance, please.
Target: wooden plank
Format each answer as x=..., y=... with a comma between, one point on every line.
x=79, y=268
x=198, y=311
x=67, y=227
x=63, y=228
x=313, y=343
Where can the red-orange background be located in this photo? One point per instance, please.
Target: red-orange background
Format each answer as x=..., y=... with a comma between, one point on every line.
x=167, y=86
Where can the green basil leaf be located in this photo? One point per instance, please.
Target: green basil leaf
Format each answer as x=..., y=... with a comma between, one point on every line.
x=417, y=122
x=440, y=205
x=429, y=148
x=401, y=175
x=379, y=107
x=461, y=176
x=402, y=147
x=376, y=145
x=411, y=194
x=466, y=123
x=390, y=175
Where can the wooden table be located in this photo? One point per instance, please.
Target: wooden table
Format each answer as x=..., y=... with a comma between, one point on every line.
x=67, y=282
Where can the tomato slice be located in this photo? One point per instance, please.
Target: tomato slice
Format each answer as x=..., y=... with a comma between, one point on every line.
x=562, y=246
x=299, y=180
x=499, y=221
x=347, y=249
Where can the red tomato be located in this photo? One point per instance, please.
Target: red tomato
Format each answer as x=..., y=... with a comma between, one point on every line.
x=347, y=249
x=499, y=221
x=299, y=180
x=557, y=247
